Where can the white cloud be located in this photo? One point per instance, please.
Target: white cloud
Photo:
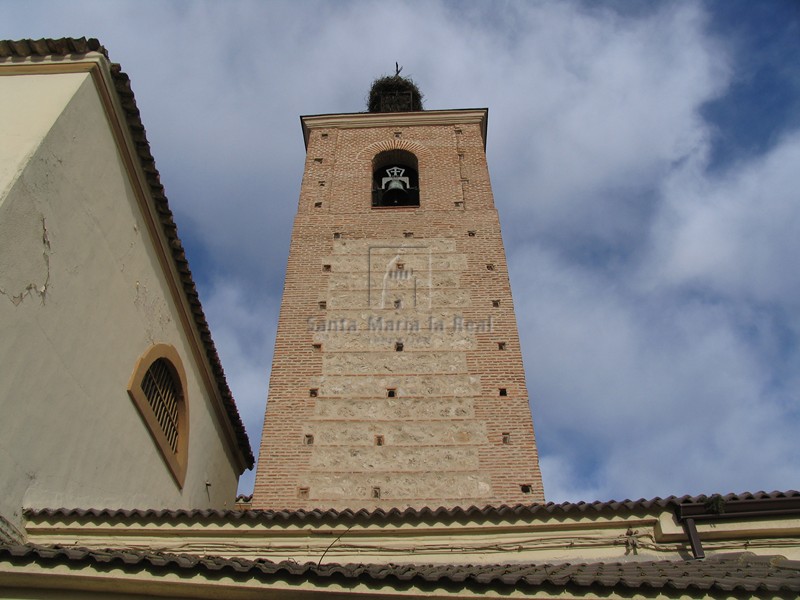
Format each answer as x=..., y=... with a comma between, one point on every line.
x=610, y=106
x=645, y=395
x=736, y=233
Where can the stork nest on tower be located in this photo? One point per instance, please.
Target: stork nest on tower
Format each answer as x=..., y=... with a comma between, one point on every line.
x=393, y=93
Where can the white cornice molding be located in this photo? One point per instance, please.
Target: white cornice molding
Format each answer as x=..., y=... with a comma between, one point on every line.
x=28, y=65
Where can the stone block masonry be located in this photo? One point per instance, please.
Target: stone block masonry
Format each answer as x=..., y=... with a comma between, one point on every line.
x=397, y=378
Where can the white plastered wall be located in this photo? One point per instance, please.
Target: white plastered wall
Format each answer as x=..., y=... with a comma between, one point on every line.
x=82, y=296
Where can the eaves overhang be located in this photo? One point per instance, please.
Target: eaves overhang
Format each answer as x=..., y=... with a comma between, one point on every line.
x=119, y=571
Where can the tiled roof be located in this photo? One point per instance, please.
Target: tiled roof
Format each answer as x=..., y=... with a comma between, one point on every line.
x=47, y=47
x=428, y=514
x=740, y=572
x=79, y=46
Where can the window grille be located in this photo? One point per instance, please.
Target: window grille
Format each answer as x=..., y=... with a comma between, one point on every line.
x=163, y=394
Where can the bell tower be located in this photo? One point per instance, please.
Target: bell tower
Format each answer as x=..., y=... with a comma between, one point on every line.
x=397, y=378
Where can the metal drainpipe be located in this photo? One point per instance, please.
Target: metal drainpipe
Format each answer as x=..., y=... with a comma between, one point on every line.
x=718, y=509
x=694, y=539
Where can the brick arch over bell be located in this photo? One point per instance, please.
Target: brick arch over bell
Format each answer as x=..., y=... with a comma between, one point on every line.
x=418, y=150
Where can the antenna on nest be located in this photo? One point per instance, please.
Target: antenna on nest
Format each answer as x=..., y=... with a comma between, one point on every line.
x=397, y=69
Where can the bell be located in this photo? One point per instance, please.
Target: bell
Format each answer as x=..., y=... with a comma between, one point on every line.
x=395, y=184
x=395, y=193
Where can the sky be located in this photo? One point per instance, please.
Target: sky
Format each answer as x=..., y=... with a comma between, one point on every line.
x=645, y=163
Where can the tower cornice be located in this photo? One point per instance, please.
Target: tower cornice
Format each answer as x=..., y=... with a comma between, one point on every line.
x=460, y=116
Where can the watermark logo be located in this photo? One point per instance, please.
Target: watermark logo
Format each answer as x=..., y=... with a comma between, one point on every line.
x=377, y=323
x=399, y=277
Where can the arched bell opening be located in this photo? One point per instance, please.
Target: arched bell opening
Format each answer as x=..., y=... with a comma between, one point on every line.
x=395, y=179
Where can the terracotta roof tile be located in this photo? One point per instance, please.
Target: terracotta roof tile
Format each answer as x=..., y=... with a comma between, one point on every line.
x=424, y=514
x=738, y=572
x=46, y=47
x=79, y=46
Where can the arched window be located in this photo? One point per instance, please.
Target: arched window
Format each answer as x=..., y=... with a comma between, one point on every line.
x=158, y=389
x=163, y=393
x=395, y=179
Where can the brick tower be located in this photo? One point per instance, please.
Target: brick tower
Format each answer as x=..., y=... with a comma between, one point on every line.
x=397, y=378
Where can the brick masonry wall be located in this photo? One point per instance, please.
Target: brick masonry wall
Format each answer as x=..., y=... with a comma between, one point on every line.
x=353, y=420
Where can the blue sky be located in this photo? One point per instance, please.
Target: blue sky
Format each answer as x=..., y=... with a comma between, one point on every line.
x=645, y=160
